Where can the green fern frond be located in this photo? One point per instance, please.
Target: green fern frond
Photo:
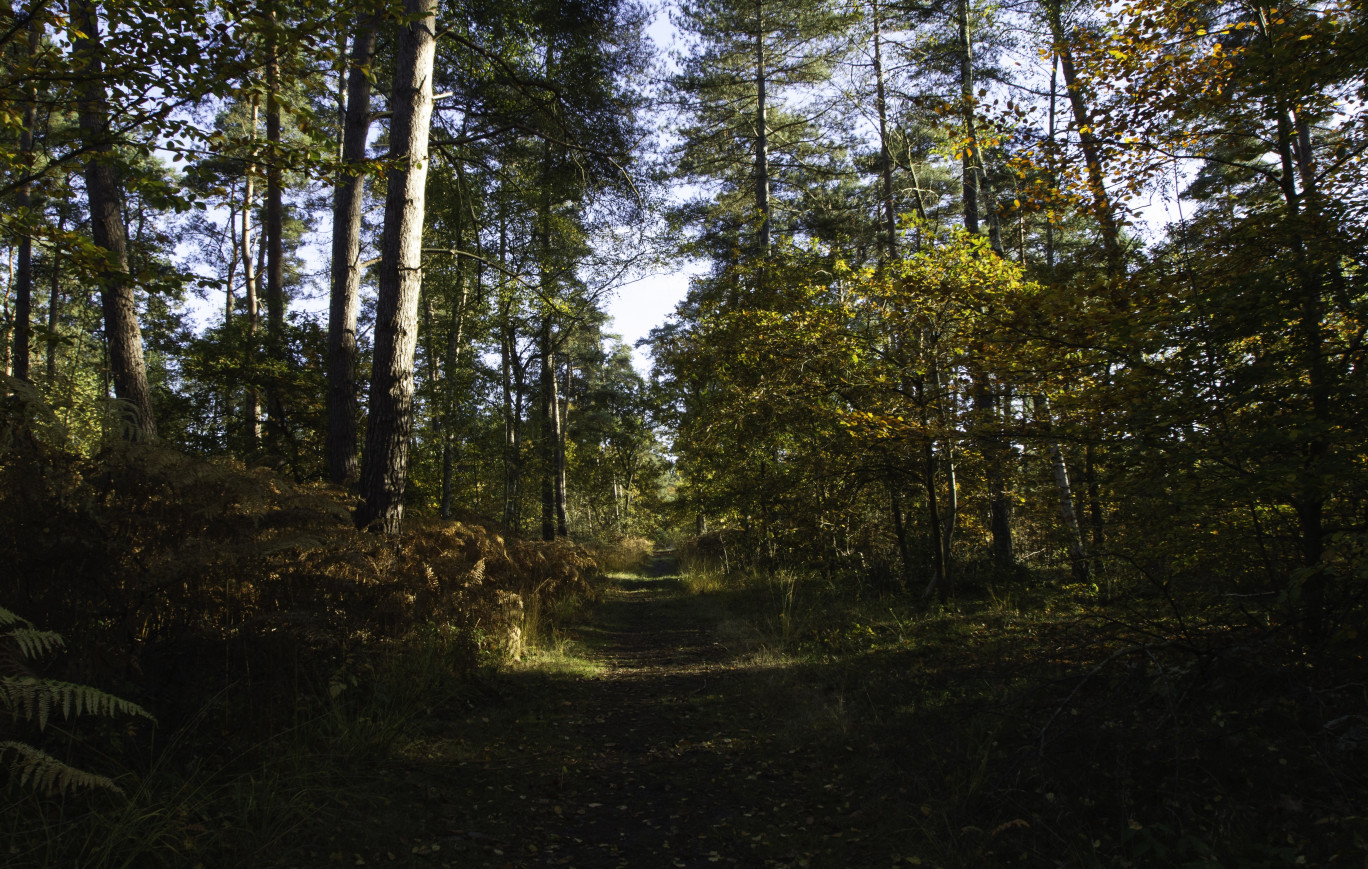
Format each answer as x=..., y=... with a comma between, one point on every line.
x=34, y=699
x=8, y=618
x=34, y=643
x=47, y=774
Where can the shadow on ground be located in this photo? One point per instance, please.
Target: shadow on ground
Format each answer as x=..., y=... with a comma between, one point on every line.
x=687, y=748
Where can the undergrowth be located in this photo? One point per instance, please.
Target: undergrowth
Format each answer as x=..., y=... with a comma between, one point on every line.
x=1034, y=722
x=284, y=654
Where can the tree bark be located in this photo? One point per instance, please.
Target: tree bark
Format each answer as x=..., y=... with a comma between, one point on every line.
x=455, y=339
x=969, y=153
x=1103, y=208
x=54, y=308
x=127, y=369
x=900, y=534
x=251, y=406
x=549, y=431
x=885, y=153
x=23, y=275
x=345, y=299
x=275, y=225
x=762, y=185
x=384, y=468
x=1078, y=554
x=512, y=447
x=562, y=422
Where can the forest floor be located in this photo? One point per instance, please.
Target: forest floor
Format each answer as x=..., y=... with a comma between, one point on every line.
x=672, y=742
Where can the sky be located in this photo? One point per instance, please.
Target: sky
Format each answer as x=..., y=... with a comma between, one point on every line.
x=639, y=307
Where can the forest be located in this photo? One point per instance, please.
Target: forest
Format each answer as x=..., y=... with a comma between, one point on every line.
x=1002, y=470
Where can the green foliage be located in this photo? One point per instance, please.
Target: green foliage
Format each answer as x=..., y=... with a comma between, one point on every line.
x=33, y=699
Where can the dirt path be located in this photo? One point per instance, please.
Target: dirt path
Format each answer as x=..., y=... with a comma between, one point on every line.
x=673, y=754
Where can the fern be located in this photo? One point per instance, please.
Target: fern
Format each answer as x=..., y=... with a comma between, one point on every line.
x=34, y=643
x=34, y=699
x=8, y=618
x=43, y=772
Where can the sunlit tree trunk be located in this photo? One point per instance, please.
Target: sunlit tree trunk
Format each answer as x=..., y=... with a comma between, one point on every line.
x=562, y=472
x=384, y=467
x=124, y=338
x=251, y=405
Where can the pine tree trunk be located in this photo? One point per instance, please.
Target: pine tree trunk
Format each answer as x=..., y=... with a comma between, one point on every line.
x=762, y=185
x=251, y=405
x=345, y=298
x=455, y=338
x=275, y=227
x=512, y=449
x=54, y=309
x=127, y=369
x=547, y=392
x=384, y=467
x=23, y=276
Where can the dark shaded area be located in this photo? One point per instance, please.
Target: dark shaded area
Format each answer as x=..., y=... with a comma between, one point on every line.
x=678, y=755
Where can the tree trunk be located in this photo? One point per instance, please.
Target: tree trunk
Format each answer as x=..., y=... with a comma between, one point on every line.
x=275, y=226
x=562, y=422
x=251, y=405
x=455, y=338
x=54, y=308
x=969, y=151
x=127, y=369
x=344, y=305
x=1092, y=152
x=384, y=468
x=512, y=449
x=23, y=276
x=885, y=153
x=549, y=433
x=900, y=535
x=762, y=185
x=1078, y=555
x=986, y=404
x=940, y=554
x=1304, y=210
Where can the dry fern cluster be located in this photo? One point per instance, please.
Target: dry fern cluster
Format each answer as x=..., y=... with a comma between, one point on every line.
x=174, y=577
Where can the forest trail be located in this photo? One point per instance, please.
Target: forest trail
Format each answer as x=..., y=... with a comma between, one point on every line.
x=683, y=749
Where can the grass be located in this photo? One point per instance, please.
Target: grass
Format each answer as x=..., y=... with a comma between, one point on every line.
x=1034, y=723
